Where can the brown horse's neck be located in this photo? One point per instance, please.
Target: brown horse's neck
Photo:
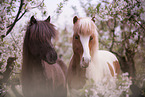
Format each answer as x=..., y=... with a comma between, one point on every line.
x=76, y=66
x=76, y=75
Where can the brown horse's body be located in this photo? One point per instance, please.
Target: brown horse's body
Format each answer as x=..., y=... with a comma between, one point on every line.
x=43, y=75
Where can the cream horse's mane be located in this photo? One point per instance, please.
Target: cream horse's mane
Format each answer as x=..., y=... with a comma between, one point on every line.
x=85, y=26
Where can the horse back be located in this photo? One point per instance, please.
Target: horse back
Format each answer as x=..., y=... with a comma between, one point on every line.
x=106, y=57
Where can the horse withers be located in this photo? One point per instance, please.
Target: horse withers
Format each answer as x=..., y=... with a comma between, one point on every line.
x=88, y=62
x=43, y=74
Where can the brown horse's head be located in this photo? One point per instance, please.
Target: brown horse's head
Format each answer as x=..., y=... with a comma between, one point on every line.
x=85, y=39
x=38, y=40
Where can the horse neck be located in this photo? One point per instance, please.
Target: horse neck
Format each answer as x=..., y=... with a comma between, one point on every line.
x=95, y=70
x=77, y=70
x=76, y=75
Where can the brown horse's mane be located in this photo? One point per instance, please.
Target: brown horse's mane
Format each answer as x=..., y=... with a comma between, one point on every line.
x=47, y=29
x=38, y=36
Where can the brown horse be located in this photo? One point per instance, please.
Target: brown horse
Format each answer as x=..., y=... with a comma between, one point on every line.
x=43, y=74
x=87, y=61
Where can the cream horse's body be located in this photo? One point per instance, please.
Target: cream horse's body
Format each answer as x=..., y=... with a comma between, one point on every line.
x=88, y=62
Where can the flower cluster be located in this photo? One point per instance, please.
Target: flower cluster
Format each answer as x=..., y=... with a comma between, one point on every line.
x=115, y=87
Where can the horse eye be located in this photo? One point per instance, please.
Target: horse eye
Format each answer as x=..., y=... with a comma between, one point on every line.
x=91, y=38
x=76, y=37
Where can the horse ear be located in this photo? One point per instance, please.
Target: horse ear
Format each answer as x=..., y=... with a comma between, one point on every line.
x=93, y=19
x=48, y=19
x=33, y=20
x=75, y=19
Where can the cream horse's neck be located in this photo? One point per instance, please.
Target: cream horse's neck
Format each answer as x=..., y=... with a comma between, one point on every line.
x=98, y=68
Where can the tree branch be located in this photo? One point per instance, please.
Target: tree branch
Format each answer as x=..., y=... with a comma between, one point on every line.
x=18, y=18
x=113, y=40
x=138, y=23
x=19, y=11
x=112, y=30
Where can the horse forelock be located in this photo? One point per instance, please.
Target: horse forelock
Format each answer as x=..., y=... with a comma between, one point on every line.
x=84, y=26
x=42, y=31
x=38, y=40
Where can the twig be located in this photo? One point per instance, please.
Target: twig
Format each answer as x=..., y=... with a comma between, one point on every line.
x=113, y=37
x=138, y=23
x=15, y=41
x=117, y=54
x=113, y=40
x=38, y=5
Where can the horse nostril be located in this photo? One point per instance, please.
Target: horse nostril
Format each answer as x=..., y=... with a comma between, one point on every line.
x=83, y=59
x=55, y=56
x=86, y=60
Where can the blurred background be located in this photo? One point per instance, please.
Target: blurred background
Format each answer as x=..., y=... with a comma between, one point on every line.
x=120, y=23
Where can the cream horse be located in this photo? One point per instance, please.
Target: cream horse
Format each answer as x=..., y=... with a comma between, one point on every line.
x=88, y=62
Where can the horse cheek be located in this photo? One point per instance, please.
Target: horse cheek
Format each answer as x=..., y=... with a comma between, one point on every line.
x=92, y=46
x=77, y=47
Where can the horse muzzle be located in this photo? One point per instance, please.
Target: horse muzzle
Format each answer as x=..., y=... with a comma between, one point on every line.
x=85, y=62
x=51, y=57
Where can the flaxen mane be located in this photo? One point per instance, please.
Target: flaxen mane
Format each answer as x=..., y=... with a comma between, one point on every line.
x=84, y=26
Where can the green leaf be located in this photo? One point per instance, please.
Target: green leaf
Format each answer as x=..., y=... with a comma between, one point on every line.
x=2, y=36
x=106, y=2
x=98, y=6
x=44, y=12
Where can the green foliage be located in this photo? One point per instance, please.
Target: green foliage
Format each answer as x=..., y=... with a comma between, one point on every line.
x=98, y=7
x=60, y=6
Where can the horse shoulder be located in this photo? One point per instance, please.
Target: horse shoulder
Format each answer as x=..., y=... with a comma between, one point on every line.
x=55, y=73
x=71, y=70
x=62, y=65
x=111, y=61
x=70, y=74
